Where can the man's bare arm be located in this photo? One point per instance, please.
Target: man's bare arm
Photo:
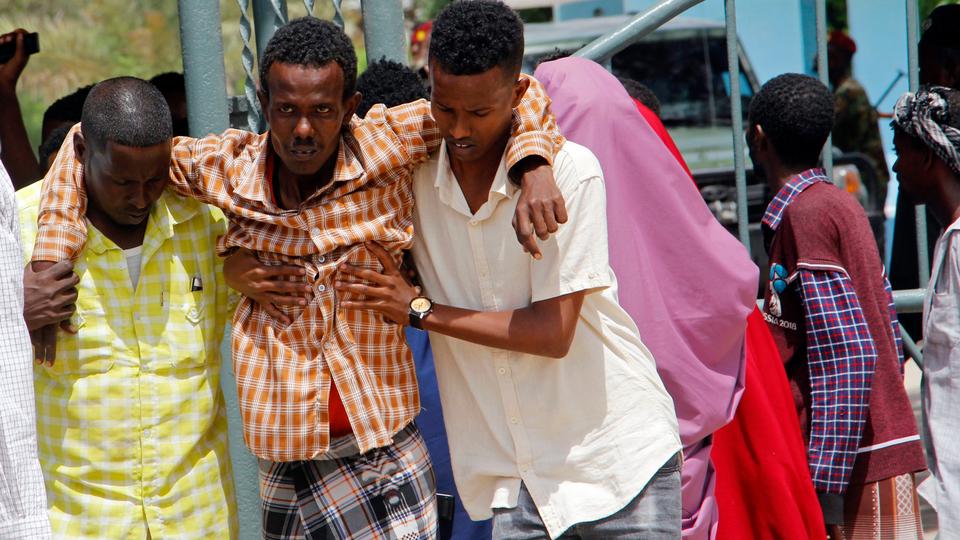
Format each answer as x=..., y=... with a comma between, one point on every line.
x=17, y=155
x=544, y=328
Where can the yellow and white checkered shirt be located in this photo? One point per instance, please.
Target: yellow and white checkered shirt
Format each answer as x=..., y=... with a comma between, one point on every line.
x=132, y=427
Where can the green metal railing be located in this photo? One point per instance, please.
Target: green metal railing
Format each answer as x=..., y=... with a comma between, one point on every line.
x=736, y=117
x=203, y=72
x=824, y=73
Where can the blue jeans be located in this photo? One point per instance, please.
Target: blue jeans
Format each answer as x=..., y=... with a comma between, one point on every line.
x=654, y=514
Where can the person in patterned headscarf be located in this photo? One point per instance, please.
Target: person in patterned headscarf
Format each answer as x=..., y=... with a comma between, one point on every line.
x=927, y=140
x=939, y=52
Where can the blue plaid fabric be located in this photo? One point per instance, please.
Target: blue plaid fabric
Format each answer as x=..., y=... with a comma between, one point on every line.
x=789, y=192
x=841, y=356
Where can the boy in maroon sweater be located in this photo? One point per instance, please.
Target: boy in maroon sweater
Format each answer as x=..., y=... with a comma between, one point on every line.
x=829, y=307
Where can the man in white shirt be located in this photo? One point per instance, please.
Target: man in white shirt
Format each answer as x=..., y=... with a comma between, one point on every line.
x=927, y=142
x=23, y=501
x=558, y=423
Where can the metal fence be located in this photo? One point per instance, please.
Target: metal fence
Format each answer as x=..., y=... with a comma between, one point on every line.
x=209, y=112
x=644, y=23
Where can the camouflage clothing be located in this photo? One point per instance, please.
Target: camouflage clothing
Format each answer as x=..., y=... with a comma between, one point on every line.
x=856, y=128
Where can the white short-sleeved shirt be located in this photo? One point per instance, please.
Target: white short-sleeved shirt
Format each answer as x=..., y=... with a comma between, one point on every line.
x=941, y=380
x=584, y=433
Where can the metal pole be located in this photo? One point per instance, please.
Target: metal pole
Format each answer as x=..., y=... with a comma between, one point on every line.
x=910, y=348
x=203, y=69
x=913, y=67
x=736, y=118
x=913, y=39
x=909, y=300
x=268, y=15
x=823, y=71
x=207, y=112
x=383, y=30
x=610, y=44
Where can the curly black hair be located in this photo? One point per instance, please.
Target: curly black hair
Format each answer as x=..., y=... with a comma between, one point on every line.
x=641, y=93
x=169, y=83
x=52, y=145
x=309, y=41
x=128, y=111
x=390, y=83
x=474, y=36
x=556, y=54
x=68, y=108
x=796, y=113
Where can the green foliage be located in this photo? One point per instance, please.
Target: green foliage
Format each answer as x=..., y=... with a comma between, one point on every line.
x=837, y=14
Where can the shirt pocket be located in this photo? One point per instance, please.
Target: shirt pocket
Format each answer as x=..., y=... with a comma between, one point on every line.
x=188, y=331
x=942, y=333
x=91, y=349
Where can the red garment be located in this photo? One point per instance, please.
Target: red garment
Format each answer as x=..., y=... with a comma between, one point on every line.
x=764, y=489
x=661, y=132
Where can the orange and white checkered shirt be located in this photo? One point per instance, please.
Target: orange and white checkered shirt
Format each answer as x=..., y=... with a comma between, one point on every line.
x=284, y=372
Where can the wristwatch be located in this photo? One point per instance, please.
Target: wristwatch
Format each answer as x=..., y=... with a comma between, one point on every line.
x=420, y=307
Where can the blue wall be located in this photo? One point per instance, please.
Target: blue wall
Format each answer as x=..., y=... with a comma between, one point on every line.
x=582, y=10
x=879, y=27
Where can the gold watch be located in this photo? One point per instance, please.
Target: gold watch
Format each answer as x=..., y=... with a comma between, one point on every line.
x=420, y=307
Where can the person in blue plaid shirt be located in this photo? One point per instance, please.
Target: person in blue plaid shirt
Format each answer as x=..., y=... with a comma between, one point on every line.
x=830, y=310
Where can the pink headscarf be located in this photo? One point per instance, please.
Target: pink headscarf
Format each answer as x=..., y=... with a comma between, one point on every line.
x=688, y=283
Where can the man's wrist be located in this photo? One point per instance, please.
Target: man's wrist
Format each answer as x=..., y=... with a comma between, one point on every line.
x=40, y=266
x=525, y=165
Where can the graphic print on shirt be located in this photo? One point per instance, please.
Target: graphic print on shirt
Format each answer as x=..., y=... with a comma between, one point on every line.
x=776, y=285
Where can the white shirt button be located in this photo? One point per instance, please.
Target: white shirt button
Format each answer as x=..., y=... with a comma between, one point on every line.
x=315, y=232
x=321, y=287
x=473, y=223
x=502, y=371
x=321, y=259
x=514, y=420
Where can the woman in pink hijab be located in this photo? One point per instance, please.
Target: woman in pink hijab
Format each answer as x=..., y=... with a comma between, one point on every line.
x=686, y=281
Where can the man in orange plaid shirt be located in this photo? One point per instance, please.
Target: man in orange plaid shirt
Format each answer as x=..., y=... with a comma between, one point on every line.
x=327, y=397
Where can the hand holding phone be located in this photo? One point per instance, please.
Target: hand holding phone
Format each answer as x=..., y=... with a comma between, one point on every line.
x=15, y=49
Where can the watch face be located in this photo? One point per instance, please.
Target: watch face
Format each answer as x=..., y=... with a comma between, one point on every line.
x=420, y=304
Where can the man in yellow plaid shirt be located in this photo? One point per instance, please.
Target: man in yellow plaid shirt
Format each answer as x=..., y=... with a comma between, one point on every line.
x=132, y=426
